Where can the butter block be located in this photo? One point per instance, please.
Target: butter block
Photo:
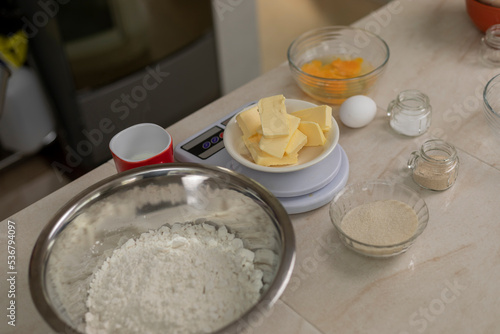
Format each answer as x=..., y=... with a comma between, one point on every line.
x=297, y=141
x=273, y=116
x=276, y=146
x=262, y=158
x=249, y=121
x=320, y=114
x=312, y=130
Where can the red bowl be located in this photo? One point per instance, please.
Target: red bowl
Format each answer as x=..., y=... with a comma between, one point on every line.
x=483, y=16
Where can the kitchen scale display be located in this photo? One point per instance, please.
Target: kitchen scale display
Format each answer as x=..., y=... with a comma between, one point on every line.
x=299, y=191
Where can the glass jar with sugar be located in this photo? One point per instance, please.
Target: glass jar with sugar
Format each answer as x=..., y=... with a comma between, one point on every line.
x=410, y=113
x=435, y=165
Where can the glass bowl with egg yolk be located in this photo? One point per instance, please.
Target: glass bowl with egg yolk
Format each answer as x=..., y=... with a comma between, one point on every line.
x=333, y=63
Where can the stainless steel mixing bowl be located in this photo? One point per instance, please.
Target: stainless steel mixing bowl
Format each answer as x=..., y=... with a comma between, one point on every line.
x=86, y=230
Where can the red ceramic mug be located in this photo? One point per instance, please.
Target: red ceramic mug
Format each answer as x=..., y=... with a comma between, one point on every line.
x=141, y=145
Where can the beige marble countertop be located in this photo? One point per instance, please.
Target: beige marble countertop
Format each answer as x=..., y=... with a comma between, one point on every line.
x=448, y=282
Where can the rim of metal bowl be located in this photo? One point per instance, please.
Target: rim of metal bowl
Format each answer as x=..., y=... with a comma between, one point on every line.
x=420, y=229
x=313, y=32
x=45, y=241
x=491, y=82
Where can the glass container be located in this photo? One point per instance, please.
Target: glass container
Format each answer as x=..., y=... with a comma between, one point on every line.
x=410, y=113
x=490, y=46
x=491, y=104
x=371, y=191
x=435, y=165
x=346, y=43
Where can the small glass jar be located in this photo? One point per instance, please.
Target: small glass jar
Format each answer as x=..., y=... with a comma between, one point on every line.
x=490, y=46
x=410, y=113
x=435, y=165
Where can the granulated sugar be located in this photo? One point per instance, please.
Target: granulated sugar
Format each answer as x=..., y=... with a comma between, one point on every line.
x=190, y=278
x=380, y=223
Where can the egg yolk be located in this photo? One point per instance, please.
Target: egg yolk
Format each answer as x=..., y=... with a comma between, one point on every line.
x=337, y=69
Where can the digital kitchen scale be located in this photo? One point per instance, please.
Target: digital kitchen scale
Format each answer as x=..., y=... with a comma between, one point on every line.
x=299, y=191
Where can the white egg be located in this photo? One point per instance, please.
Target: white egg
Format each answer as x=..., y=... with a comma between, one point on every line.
x=357, y=111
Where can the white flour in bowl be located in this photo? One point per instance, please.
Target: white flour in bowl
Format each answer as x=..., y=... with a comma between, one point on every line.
x=188, y=278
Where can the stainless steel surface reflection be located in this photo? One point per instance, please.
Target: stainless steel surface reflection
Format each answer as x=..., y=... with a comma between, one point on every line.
x=86, y=230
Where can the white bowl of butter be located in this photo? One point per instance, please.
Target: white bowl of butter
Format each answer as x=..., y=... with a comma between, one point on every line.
x=307, y=156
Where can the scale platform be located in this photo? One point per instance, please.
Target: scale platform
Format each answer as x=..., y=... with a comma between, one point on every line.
x=299, y=191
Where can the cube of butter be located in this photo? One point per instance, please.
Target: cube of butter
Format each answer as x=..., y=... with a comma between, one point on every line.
x=273, y=116
x=262, y=158
x=297, y=141
x=315, y=136
x=276, y=146
x=320, y=114
x=249, y=121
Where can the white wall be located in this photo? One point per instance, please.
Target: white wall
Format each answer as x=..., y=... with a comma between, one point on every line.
x=235, y=23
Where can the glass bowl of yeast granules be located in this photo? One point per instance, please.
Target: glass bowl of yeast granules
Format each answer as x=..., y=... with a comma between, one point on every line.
x=378, y=218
